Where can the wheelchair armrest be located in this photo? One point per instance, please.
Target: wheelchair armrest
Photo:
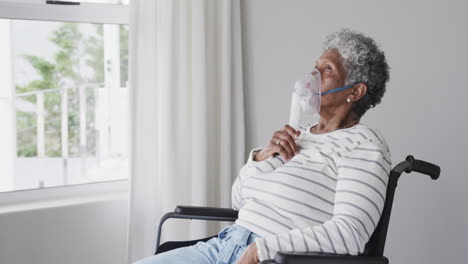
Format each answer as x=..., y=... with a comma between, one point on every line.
x=196, y=212
x=207, y=211
x=284, y=257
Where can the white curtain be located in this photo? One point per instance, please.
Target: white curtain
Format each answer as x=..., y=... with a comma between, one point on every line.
x=187, y=113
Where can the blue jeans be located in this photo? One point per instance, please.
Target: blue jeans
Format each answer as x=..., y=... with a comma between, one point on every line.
x=224, y=249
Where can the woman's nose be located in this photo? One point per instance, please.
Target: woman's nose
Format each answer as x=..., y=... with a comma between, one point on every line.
x=316, y=73
x=316, y=70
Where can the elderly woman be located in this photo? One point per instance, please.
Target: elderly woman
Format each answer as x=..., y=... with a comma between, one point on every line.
x=317, y=189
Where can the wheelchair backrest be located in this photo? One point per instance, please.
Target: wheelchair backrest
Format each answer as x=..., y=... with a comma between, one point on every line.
x=376, y=244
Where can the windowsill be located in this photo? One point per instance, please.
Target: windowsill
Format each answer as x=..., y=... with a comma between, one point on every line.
x=18, y=201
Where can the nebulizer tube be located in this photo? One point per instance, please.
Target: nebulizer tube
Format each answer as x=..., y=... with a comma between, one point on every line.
x=295, y=115
x=305, y=103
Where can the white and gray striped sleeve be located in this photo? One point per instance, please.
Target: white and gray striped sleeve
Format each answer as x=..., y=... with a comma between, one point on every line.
x=252, y=168
x=359, y=200
x=236, y=192
x=264, y=166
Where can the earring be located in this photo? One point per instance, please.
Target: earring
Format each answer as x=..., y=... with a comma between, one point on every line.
x=348, y=100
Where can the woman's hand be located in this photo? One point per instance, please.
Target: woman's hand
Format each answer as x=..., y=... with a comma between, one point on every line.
x=282, y=142
x=250, y=255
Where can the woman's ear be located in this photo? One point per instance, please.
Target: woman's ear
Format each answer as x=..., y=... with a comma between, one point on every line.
x=359, y=90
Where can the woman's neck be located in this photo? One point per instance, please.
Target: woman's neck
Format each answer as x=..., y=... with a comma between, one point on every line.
x=332, y=123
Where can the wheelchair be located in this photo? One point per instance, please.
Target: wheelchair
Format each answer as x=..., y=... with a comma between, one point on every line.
x=373, y=251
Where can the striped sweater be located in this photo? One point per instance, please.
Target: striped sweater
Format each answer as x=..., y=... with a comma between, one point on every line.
x=328, y=198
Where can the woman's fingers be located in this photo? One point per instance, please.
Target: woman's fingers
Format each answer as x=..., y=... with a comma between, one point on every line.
x=283, y=143
x=278, y=148
x=283, y=140
x=284, y=135
x=287, y=142
x=291, y=131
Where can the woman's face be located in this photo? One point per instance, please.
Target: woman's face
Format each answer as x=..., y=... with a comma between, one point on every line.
x=333, y=74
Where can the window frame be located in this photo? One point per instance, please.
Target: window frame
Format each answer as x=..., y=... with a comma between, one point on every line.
x=20, y=200
x=84, y=12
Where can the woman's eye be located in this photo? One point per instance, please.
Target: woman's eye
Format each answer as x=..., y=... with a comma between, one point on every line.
x=328, y=69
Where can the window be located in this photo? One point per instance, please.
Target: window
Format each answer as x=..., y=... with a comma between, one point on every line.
x=122, y=2
x=64, y=97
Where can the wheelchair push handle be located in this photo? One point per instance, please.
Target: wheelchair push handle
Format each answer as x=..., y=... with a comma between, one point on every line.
x=423, y=167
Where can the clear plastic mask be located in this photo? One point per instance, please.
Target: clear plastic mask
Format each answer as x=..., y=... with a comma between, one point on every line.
x=309, y=89
x=306, y=99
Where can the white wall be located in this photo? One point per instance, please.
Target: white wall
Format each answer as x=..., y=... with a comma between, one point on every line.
x=91, y=233
x=424, y=111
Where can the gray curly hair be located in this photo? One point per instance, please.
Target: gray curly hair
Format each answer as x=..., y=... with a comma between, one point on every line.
x=364, y=63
